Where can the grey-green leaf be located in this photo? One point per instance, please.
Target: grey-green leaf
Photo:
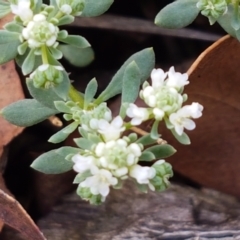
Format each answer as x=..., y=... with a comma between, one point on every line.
x=147, y=157
x=52, y=163
x=42, y=95
x=64, y=151
x=63, y=87
x=131, y=83
x=90, y=92
x=29, y=63
x=9, y=42
x=67, y=19
x=79, y=57
x=76, y=41
x=13, y=27
x=27, y=112
x=225, y=21
x=64, y=133
x=93, y=8
x=161, y=151
x=83, y=143
x=178, y=14
x=146, y=140
x=4, y=9
x=184, y=139
x=145, y=61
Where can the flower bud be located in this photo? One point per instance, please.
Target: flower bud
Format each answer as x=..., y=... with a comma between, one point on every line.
x=71, y=7
x=40, y=32
x=213, y=9
x=86, y=194
x=47, y=75
x=163, y=173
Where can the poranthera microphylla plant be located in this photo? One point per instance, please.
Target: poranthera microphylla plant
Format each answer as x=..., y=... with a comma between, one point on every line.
x=104, y=156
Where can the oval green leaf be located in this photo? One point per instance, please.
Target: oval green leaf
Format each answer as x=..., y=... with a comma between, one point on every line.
x=178, y=14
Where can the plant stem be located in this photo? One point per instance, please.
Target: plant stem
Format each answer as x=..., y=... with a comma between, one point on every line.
x=44, y=54
x=141, y=132
x=76, y=96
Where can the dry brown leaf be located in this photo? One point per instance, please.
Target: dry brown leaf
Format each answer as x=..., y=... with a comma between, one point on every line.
x=15, y=216
x=213, y=157
x=10, y=91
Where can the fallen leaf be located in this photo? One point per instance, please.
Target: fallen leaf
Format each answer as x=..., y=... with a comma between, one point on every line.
x=15, y=216
x=10, y=91
x=212, y=159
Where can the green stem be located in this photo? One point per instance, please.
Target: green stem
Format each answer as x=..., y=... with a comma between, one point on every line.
x=59, y=15
x=44, y=54
x=76, y=96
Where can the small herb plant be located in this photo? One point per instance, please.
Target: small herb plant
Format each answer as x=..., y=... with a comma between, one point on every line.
x=104, y=155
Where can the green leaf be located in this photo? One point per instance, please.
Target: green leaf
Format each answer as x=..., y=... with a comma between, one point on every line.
x=62, y=107
x=22, y=49
x=56, y=53
x=178, y=14
x=65, y=151
x=9, y=42
x=51, y=59
x=93, y=8
x=225, y=21
x=76, y=41
x=13, y=27
x=62, y=89
x=154, y=131
x=4, y=9
x=145, y=61
x=26, y=112
x=83, y=143
x=28, y=63
x=52, y=163
x=161, y=151
x=67, y=19
x=64, y=133
x=147, y=140
x=42, y=95
x=81, y=177
x=90, y=92
x=79, y=57
x=184, y=139
x=131, y=83
x=147, y=157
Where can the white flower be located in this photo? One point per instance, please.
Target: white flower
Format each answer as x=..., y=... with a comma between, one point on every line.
x=111, y=131
x=66, y=9
x=100, y=182
x=176, y=79
x=83, y=163
x=157, y=77
x=90, y=118
x=162, y=98
x=137, y=114
x=23, y=10
x=181, y=119
x=143, y=174
x=118, y=156
x=40, y=32
x=194, y=110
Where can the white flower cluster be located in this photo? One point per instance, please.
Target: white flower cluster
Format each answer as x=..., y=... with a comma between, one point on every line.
x=39, y=31
x=164, y=99
x=22, y=8
x=110, y=161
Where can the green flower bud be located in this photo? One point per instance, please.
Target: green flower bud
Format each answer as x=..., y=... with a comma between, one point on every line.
x=163, y=173
x=47, y=76
x=86, y=194
x=213, y=9
x=71, y=7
